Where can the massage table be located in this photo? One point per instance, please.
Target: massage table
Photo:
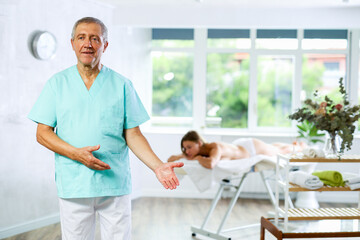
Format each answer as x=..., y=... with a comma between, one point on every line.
x=224, y=173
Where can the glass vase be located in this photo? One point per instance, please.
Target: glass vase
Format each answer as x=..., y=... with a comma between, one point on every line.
x=332, y=146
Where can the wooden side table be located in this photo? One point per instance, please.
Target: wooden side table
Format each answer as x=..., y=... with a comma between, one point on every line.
x=347, y=229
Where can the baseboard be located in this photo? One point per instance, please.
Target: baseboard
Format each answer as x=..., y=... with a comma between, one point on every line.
x=136, y=194
x=30, y=225
x=326, y=197
x=204, y=195
x=177, y=194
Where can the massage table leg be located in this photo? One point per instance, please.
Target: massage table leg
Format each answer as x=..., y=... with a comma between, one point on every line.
x=217, y=235
x=232, y=203
x=270, y=191
x=213, y=204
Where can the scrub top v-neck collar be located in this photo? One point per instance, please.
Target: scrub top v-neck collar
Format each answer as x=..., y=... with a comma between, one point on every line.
x=95, y=87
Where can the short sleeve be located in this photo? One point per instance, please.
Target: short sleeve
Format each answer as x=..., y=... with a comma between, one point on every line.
x=44, y=109
x=135, y=113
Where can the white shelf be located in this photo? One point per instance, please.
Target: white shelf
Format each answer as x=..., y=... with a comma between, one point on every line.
x=311, y=214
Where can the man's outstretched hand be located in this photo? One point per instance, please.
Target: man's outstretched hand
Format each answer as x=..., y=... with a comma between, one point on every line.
x=166, y=175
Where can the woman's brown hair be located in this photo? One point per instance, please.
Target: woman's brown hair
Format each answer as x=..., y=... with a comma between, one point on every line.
x=192, y=136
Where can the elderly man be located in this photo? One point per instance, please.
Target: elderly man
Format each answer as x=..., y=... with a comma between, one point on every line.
x=96, y=113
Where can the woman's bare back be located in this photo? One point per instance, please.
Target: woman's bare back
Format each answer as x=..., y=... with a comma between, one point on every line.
x=227, y=151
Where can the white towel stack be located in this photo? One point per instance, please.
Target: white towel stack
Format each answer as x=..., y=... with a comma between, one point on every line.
x=313, y=152
x=305, y=180
x=352, y=181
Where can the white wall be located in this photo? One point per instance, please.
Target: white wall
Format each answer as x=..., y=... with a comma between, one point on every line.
x=203, y=15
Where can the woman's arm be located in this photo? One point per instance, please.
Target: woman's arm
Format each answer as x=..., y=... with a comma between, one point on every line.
x=214, y=156
x=174, y=158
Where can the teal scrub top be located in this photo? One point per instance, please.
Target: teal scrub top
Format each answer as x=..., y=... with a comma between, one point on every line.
x=85, y=117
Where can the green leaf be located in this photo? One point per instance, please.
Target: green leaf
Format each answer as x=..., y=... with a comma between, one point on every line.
x=308, y=131
x=302, y=128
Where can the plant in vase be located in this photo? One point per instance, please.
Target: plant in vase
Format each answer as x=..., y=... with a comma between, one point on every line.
x=336, y=118
x=308, y=131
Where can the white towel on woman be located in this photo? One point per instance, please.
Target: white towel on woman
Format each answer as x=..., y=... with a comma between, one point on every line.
x=313, y=152
x=305, y=180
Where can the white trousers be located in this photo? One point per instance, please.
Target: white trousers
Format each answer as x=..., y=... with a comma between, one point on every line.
x=78, y=218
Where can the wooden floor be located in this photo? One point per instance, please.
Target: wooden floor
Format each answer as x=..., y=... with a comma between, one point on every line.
x=171, y=219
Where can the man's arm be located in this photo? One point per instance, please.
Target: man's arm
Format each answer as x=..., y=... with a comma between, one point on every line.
x=141, y=148
x=45, y=136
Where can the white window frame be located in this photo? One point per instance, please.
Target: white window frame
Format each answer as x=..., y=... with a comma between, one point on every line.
x=200, y=51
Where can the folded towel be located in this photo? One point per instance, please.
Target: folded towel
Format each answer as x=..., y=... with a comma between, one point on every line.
x=353, y=180
x=353, y=186
x=349, y=175
x=305, y=180
x=313, y=153
x=331, y=178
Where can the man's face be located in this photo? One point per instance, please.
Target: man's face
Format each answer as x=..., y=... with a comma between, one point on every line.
x=88, y=44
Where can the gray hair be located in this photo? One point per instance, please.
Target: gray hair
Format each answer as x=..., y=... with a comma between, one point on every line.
x=104, y=31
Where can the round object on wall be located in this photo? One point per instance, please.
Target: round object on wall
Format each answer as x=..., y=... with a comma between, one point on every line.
x=43, y=45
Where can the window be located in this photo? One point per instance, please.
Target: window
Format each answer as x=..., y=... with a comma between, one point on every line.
x=227, y=90
x=229, y=38
x=172, y=38
x=276, y=39
x=247, y=77
x=227, y=78
x=274, y=88
x=325, y=39
x=322, y=72
x=172, y=64
x=172, y=86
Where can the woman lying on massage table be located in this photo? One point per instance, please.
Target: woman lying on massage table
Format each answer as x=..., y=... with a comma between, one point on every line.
x=194, y=147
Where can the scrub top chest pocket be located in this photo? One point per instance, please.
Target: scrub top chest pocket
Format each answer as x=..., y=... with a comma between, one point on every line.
x=112, y=121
